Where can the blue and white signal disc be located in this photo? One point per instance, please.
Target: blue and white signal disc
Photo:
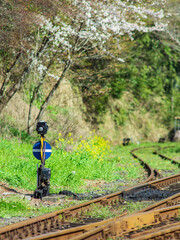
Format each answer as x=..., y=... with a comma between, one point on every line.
x=47, y=150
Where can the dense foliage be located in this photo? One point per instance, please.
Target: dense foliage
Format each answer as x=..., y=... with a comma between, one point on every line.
x=151, y=69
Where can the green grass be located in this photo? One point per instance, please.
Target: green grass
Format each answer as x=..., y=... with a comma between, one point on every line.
x=87, y=160
x=17, y=165
x=90, y=161
x=17, y=206
x=173, y=152
x=129, y=168
x=165, y=167
x=13, y=206
x=105, y=212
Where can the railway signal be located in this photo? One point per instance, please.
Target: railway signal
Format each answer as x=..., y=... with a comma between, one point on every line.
x=47, y=150
x=42, y=151
x=176, y=129
x=176, y=124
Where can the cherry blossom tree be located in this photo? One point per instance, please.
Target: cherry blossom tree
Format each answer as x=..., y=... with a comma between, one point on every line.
x=83, y=29
x=89, y=29
x=18, y=25
x=172, y=32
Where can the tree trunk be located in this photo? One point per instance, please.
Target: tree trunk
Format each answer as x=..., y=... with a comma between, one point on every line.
x=6, y=97
x=48, y=98
x=36, y=89
x=7, y=75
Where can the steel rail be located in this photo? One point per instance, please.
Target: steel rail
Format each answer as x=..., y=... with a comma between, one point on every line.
x=171, y=231
x=164, y=232
x=55, y=220
x=128, y=223
x=152, y=173
x=74, y=211
x=167, y=158
x=68, y=234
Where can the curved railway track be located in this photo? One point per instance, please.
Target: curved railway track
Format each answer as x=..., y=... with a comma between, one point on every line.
x=152, y=173
x=56, y=221
x=167, y=158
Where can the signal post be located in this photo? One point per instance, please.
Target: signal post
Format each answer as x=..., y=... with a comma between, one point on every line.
x=42, y=151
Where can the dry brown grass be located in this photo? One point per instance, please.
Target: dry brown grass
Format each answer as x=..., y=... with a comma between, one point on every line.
x=140, y=124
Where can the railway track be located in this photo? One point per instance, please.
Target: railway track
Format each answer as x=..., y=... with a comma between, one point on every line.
x=167, y=158
x=165, y=232
x=58, y=220
x=155, y=214
x=122, y=226
x=152, y=173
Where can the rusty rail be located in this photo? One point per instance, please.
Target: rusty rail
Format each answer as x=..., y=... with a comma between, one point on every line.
x=167, y=158
x=131, y=222
x=152, y=173
x=52, y=221
x=166, y=232
x=68, y=234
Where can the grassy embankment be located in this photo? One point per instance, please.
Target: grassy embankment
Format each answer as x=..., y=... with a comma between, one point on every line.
x=87, y=161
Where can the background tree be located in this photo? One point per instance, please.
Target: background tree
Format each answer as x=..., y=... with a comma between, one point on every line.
x=89, y=30
x=172, y=33
x=19, y=22
x=73, y=31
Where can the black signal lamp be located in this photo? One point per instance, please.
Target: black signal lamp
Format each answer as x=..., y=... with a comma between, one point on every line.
x=42, y=128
